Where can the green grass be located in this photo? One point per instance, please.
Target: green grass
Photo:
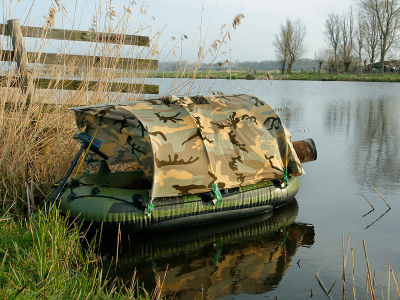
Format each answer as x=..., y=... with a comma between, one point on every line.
x=308, y=76
x=41, y=258
x=340, y=77
x=207, y=74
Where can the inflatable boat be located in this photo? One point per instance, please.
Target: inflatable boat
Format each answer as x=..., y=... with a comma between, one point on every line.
x=196, y=160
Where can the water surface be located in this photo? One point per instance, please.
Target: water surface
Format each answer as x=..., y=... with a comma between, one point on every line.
x=355, y=127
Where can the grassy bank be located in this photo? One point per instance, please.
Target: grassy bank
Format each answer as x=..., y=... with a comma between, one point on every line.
x=310, y=76
x=41, y=257
x=340, y=77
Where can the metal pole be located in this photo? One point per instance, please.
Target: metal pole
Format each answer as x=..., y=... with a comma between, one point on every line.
x=64, y=180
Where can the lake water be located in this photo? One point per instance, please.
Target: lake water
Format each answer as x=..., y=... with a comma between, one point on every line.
x=356, y=130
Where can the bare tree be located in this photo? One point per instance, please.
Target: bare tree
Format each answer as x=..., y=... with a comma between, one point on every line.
x=281, y=44
x=297, y=46
x=387, y=13
x=371, y=36
x=322, y=56
x=346, y=32
x=331, y=60
x=360, y=38
x=332, y=33
x=289, y=43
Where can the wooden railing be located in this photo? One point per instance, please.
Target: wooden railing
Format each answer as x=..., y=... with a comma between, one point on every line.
x=23, y=58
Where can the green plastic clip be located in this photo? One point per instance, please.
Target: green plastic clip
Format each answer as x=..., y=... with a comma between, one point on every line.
x=217, y=193
x=150, y=208
x=285, y=177
x=218, y=247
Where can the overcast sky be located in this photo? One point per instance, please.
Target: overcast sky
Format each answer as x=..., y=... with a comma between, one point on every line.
x=252, y=40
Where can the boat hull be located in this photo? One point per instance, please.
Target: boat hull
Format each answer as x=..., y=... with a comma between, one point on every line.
x=107, y=199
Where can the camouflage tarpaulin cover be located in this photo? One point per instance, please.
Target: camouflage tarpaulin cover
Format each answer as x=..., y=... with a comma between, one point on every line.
x=186, y=144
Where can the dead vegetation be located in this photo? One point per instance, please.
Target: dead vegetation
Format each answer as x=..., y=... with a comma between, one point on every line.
x=36, y=130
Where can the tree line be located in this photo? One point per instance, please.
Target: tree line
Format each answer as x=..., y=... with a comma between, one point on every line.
x=301, y=64
x=362, y=36
x=358, y=37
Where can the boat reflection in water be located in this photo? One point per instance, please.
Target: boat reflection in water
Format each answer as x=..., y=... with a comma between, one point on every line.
x=248, y=255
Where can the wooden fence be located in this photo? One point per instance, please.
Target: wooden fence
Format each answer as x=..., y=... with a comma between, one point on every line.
x=23, y=58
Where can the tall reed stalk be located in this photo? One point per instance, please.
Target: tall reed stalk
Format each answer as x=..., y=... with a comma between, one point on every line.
x=35, y=141
x=367, y=272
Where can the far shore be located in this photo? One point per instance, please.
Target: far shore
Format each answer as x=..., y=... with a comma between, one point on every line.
x=264, y=75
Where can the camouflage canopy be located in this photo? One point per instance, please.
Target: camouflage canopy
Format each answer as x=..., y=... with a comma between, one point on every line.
x=185, y=144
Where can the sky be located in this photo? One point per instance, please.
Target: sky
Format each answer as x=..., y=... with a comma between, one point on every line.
x=251, y=41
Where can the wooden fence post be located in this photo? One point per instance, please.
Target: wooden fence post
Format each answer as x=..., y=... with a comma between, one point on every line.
x=29, y=83
x=21, y=58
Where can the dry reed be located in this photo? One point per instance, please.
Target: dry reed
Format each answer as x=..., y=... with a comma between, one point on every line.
x=384, y=265
x=322, y=285
x=344, y=264
x=117, y=250
x=373, y=208
x=353, y=273
x=369, y=279
x=395, y=283
x=378, y=193
x=35, y=142
x=369, y=275
x=332, y=286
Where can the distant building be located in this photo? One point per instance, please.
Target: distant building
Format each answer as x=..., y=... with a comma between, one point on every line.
x=388, y=65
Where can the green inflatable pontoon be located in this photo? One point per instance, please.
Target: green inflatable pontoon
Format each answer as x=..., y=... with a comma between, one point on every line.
x=198, y=160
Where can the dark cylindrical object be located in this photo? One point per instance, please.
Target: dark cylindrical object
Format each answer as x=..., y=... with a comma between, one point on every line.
x=305, y=150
